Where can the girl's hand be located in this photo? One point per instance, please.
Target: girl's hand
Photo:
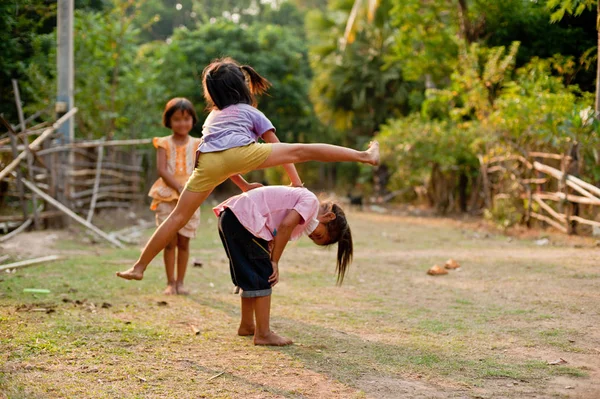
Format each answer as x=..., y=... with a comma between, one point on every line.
x=274, y=278
x=252, y=186
x=301, y=185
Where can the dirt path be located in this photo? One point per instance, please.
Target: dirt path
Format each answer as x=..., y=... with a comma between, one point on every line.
x=488, y=330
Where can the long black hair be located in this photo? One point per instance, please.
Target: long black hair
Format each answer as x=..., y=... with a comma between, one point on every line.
x=339, y=232
x=224, y=83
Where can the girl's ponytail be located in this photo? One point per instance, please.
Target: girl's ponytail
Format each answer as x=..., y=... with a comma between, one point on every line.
x=258, y=84
x=339, y=231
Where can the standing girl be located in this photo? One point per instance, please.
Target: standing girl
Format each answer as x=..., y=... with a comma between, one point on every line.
x=230, y=147
x=175, y=156
x=269, y=217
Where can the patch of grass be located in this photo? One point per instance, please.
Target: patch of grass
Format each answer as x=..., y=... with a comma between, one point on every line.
x=388, y=320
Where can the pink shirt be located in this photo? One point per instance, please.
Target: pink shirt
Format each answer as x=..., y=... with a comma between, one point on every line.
x=262, y=210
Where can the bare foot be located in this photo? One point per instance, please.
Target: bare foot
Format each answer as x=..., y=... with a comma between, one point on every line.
x=272, y=339
x=170, y=290
x=181, y=290
x=372, y=153
x=245, y=330
x=135, y=273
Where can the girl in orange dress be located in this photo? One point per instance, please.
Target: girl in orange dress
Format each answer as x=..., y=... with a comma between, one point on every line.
x=175, y=155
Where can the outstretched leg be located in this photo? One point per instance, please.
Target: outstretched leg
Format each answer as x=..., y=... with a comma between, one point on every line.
x=186, y=206
x=283, y=153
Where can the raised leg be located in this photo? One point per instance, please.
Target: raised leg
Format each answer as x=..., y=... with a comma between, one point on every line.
x=186, y=206
x=283, y=153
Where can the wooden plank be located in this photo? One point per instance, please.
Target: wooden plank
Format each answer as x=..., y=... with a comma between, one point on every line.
x=16, y=231
x=70, y=213
x=29, y=262
x=549, y=221
x=36, y=143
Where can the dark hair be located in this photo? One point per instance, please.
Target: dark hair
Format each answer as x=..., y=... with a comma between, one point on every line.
x=224, y=84
x=178, y=104
x=339, y=232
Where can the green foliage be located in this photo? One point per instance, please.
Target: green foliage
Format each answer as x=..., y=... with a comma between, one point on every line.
x=116, y=86
x=353, y=89
x=570, y=7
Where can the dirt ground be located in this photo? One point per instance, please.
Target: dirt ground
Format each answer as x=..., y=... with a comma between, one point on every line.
x=519, y=319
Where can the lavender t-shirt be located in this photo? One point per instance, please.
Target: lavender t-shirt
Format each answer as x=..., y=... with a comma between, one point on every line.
x=235, y=126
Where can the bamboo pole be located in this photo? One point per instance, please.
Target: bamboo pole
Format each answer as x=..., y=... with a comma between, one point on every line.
x=35, y=144
x=36, y=220
x=29, y=262
x=71, y=214
x=574, y=180
x=486, y=183
x=16, y=231
x=42, y=215
x=94, y=144
x=545, y=155
x=96, y=184
x=15, y=152
x=548, y=208
x=570, y=197
x=581, y=220
x=549, y=221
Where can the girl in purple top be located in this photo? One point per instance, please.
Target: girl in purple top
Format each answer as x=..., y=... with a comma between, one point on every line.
x=230, y=148
x=255, y=228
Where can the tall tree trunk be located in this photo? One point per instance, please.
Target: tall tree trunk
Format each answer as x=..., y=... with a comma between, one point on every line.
x=465, y=23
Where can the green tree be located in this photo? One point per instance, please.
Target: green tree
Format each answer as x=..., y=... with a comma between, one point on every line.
x=577, y=7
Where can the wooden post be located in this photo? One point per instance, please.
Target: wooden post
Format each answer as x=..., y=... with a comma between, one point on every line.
x=563, y=204
x=486, y=183
x=96, y=183
x=20, y=190
x=36, y=220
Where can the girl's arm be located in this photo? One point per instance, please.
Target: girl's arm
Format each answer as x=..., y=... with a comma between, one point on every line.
x=163, y=171
x=290, y=169
x=284, y=232
x=239, y=181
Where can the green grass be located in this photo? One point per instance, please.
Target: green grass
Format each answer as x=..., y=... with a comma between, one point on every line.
x=503, y=316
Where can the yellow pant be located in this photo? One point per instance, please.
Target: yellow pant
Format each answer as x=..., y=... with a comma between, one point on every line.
x=213, y=168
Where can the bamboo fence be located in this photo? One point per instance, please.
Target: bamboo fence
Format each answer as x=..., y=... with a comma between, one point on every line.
x=546, y=187
x=52, y=180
